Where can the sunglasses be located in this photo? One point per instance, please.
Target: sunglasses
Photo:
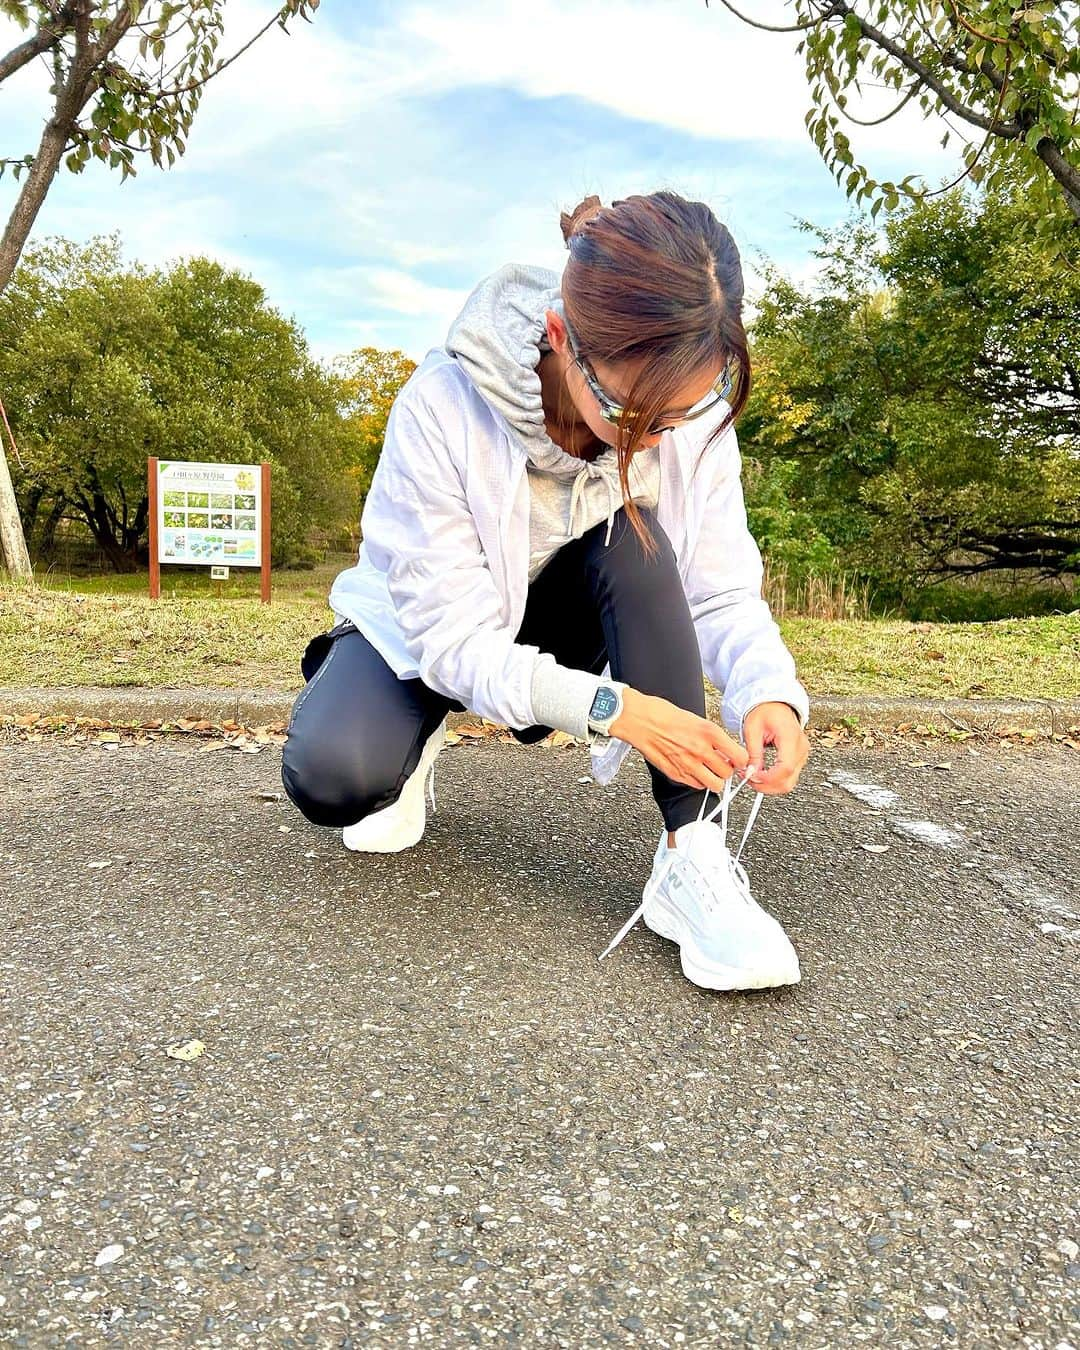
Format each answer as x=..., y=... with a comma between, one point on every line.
x=613, y=411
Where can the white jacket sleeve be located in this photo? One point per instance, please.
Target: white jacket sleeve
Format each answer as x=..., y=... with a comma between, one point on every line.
x=419, y=531
x=742, y=650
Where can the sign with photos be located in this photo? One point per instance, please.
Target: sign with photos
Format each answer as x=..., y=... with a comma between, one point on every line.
x=209, y=513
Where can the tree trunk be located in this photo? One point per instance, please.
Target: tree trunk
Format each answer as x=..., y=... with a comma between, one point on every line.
x=12, y=541
x=100, y=520
x=58, y=129
x=47, y=542
x=28, y=512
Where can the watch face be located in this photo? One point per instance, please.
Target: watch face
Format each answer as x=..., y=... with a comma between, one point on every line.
x=604, y=704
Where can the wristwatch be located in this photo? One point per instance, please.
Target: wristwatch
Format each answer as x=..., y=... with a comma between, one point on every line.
x=606, y=707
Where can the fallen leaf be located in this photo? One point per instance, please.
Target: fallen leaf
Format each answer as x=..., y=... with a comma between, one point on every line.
x=471, y=731
x=188, y=1050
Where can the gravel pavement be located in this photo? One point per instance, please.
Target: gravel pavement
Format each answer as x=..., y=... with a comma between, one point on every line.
x=424, y=1114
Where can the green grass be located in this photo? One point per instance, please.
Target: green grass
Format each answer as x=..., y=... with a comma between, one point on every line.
x=106, y=631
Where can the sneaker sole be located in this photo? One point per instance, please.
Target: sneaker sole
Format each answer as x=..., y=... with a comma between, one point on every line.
x=698, y=969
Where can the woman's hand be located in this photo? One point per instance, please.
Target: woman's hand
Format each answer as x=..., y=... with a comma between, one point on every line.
x=688, y=748
x=775, y=724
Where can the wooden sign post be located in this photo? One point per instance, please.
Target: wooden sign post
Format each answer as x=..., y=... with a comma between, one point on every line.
x=212, y=515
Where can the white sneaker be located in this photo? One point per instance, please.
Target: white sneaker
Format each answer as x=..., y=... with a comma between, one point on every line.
x=401, y=824
x=698, y=895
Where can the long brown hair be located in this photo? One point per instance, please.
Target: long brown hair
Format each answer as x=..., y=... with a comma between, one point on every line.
x=655, y=279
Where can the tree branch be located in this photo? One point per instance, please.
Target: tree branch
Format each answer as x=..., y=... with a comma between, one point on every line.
x=985, y=37
x=222, y=65
x=877, y=121
x=986, y=139
x=772, y=28
x=43, y=40
x=917, y=67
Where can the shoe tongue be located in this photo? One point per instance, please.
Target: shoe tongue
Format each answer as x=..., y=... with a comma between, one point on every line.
x=703, y=836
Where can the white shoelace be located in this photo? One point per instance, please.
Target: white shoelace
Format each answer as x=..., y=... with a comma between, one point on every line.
x=735, y=868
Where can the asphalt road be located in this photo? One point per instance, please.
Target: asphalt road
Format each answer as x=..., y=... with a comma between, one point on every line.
x=425, y=1113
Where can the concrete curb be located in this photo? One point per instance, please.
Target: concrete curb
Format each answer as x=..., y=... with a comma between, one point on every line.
x=255, y=707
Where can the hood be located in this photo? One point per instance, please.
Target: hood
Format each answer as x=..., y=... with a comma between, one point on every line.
x=498, y=338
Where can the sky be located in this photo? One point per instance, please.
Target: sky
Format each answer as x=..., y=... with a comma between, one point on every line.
x=370, y=168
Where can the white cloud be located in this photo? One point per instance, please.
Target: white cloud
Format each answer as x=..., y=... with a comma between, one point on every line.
x=371, y=167
x=389, y=288
x=681, y=65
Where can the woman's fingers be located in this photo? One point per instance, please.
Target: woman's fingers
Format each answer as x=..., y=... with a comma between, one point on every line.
x=698, y=773
x=689, y=749
x=729, y=748
x=713, y=779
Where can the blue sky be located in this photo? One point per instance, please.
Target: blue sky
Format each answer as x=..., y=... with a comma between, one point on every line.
x=370, y=168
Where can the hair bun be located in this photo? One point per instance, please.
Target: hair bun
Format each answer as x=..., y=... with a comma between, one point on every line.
x=577, y=219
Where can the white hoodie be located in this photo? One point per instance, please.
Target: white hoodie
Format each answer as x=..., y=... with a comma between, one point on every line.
x=441, y=581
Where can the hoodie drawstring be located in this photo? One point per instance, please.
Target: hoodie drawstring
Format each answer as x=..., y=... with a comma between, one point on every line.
x=589, y=471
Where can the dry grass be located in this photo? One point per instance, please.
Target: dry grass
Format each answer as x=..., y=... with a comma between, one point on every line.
x=107, y=632
x=838, y=597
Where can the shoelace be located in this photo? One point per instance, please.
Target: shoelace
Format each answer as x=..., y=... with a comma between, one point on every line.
x=735, y=868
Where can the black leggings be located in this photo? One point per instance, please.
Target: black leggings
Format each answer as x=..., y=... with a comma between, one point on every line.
x=357, y=730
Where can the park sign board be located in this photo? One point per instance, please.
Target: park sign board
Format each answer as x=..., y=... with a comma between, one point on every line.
x=209, y=515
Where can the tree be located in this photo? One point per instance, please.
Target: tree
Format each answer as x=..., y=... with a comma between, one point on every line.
x=1007, y=70
x=127, y=78
x=108, y=365
x=923, y=406
x=371, y=380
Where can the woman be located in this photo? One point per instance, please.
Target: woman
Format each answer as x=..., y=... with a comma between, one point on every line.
x=555, y=537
